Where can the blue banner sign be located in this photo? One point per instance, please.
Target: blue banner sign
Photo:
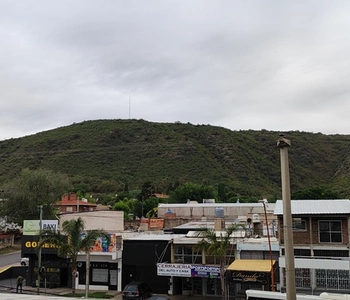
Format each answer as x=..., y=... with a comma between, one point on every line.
x=205, y=271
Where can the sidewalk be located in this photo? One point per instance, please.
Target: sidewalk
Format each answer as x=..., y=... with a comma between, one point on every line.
x=9, y=286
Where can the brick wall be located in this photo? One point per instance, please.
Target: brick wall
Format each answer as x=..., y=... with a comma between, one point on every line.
x=312, y=236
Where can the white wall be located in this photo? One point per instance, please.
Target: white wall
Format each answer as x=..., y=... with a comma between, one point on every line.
x=109, y=220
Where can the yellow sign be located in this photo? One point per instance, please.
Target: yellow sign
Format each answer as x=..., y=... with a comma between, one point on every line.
x=34, y=244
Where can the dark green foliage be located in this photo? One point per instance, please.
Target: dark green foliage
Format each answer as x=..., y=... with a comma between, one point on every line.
x=222, y=193
x=192, y=191
x=110, y=156
x=318, y=192
x=146, y=191
x=30, y=189
x=141, y=208
x=122, y=206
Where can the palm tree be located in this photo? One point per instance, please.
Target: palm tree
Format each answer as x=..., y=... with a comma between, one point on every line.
x=72, y=240
x=217, y=243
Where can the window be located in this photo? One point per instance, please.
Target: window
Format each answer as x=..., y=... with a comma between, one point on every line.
x=331, y=253
x=69, y=209
x=298, y=225
x=302, y=278
x=187, y=255
x=330, y=231
x=332, y=279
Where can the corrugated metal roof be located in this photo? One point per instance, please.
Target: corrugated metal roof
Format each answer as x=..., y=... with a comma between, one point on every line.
x=313, y=207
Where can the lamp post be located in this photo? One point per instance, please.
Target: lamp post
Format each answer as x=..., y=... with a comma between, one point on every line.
x=270, y=250
x=284, y=144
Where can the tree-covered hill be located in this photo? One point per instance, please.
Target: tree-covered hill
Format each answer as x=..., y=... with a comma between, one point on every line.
x=106, y=155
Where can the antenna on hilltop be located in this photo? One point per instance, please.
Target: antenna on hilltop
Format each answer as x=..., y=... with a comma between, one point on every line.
x=129, y=106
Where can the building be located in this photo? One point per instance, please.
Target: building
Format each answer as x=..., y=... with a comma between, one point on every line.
x=70, y=203
x=171, y=262
x=321, y=244
x=142, y=251
x=104, y=259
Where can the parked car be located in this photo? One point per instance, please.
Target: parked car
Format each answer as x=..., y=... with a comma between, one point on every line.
x=137, y=290
x=24, y=261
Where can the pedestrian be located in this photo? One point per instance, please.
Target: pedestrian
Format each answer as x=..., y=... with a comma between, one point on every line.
x=19, y=283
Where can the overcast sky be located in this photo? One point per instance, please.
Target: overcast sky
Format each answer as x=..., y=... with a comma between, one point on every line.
x=274, y=65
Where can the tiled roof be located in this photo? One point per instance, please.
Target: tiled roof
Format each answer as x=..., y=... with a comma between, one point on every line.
x=313, y=207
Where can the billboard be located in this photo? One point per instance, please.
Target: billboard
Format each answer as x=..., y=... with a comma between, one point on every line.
x=32, y=227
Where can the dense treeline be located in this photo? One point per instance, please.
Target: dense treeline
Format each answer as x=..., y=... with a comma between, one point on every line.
x=118, y=157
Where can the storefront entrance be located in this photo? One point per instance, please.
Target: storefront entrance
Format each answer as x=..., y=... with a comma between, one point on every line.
x=201, y=286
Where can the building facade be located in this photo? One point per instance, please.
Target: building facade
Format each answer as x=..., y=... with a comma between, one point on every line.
x=321, y=244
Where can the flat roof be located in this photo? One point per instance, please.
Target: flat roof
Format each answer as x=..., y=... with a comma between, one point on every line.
x=152, y=237
x=194, y=225
x=166, y=205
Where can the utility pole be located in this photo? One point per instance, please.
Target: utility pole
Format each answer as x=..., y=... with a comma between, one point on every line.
x=284, y=144
x=270, y=249
x=87, y=278
x=39, y=253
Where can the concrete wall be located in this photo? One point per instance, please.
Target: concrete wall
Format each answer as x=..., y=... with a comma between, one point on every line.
x=110, y=220
x=231, y=211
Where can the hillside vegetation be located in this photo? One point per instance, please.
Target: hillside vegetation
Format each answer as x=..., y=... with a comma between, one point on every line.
x=106, y=155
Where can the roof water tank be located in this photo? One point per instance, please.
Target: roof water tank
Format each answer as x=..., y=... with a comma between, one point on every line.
x=219, y=212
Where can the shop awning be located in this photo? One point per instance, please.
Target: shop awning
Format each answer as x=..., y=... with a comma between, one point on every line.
x=254, y=265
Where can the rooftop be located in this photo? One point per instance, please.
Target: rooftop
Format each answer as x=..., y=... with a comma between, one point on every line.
x=310, y=207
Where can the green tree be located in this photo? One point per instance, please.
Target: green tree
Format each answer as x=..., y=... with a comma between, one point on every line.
x=317, y=192
x=222, y=195
x=29, y=190
x=217, y=243
x=192, y=191
x=122, y=206
x=146, y=191
x=72, y=240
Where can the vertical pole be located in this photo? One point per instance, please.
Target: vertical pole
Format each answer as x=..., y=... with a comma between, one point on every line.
x=39, y=254
x=349, y=253
x=270, y=250
x=87, y=279
x=284, y=144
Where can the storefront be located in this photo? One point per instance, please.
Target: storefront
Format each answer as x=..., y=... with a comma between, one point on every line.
x=250, y=274
x=192, y=279
x=54, y=270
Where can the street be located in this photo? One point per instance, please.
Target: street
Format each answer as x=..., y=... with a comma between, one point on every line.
x=10, y=259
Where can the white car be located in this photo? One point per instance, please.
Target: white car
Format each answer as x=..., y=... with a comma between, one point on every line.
x=24, y=261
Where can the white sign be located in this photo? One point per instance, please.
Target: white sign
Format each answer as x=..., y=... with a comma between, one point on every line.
x=179, y=270
x=32, y=227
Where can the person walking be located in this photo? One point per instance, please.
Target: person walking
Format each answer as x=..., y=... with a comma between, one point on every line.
x=19, y=283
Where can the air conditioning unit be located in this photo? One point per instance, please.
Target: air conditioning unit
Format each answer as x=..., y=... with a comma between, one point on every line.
x=256, y=218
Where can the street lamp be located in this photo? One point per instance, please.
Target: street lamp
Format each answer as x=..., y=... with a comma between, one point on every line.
x=269, y=242
x=284, y=144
